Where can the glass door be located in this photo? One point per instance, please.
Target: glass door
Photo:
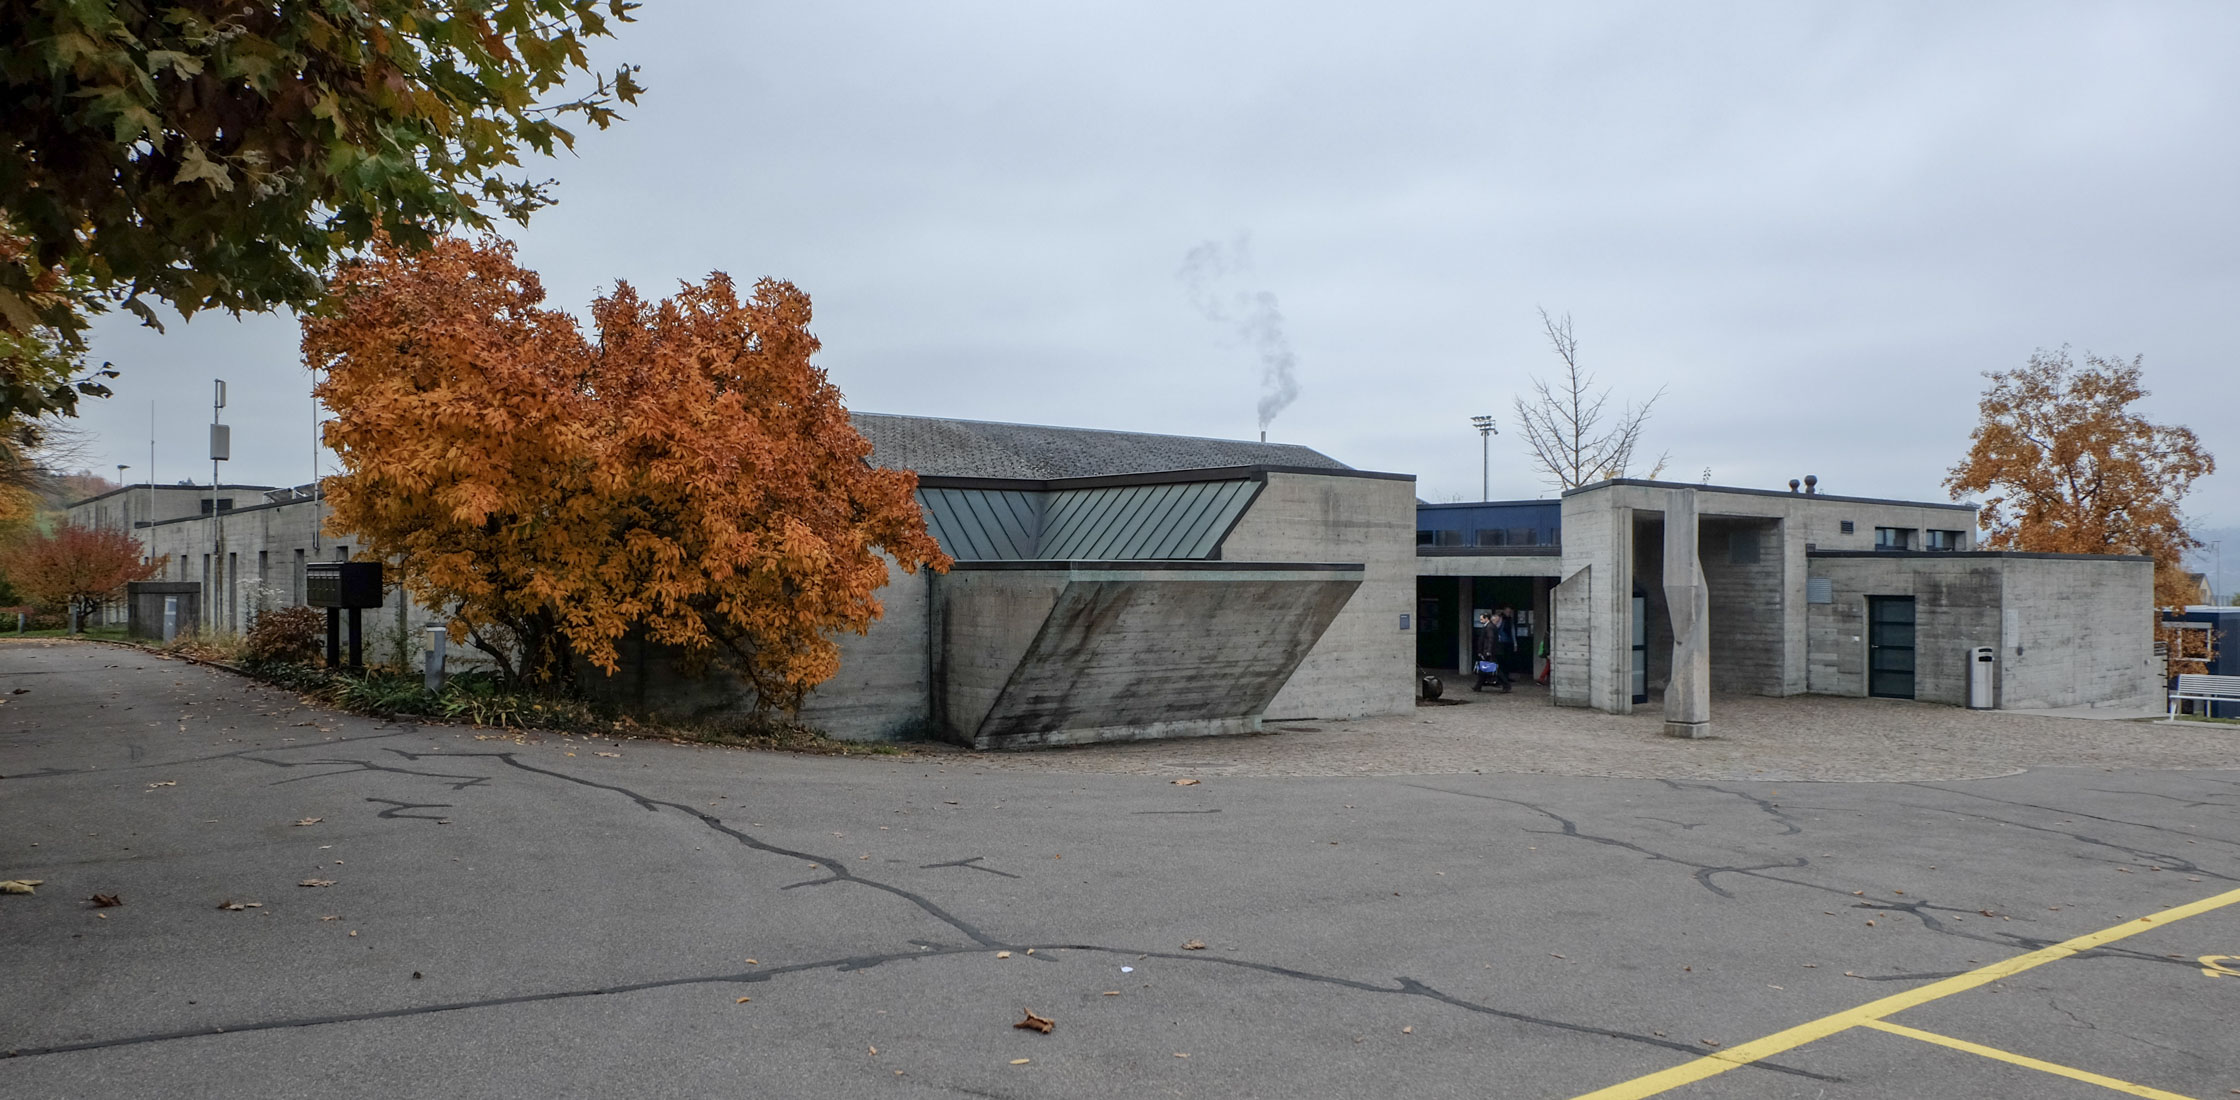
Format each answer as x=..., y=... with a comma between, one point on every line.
x=1890, y=647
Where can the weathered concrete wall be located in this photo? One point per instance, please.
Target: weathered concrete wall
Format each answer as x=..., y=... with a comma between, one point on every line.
x=1571, y=651
x=1956, y=606
x=1758, y=618
x=2078, y=632
x=983, y=622
x=2070, y=630
x=1365, y=663
x=1490, y=563
x=1125, y=654
x=1748, y=625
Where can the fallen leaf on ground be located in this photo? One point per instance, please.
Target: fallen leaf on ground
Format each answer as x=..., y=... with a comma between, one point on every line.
x=1033, y=1022
x=615, y=755
x=20, y=885
x=1018, y=1061
x=751, y=962
x=237, y=906
x=1194, y=945
x=742, y=1000
x=1180, y=1055
x=163, y=783
x=871, y=1048
x=1709, y=1042
x=1407, y=1031
x=1003, y=954
x=316, y=882
x=310, y=821
x=1111, y=992
x=1185, y=782
x=105, y=901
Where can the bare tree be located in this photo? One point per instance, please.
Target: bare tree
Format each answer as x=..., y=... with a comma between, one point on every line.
x=1575, y=439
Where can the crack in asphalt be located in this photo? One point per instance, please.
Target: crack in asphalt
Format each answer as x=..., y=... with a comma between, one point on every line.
x=837, y=872
x=1772, y=809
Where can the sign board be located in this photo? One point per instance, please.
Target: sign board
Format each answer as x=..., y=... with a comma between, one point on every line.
x=342, y=584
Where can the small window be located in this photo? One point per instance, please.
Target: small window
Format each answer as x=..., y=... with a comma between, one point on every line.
x=1893, y=538
x=1492, y=538
x=1446, y=538
x=1944, y=540
x=1742, y=547
x=225, y=504
x=1848, y=527
x=1423, y=538
x=1523, y=536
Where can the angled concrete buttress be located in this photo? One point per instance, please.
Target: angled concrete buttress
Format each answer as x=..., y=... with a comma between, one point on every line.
x=1687, y=698
x=1058, y=653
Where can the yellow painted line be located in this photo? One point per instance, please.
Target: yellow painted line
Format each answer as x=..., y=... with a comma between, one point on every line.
x=2023, y=1060
x=1711, y=1065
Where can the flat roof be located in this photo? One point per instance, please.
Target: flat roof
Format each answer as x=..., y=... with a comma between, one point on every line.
x=1738, y=491
x=1972, y=554
x=143, y=487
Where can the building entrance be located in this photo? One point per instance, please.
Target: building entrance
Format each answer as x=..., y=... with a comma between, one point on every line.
x=1890, y=647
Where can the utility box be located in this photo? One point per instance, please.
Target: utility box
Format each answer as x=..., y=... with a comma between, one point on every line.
x=1983, y=668
x=347, y=584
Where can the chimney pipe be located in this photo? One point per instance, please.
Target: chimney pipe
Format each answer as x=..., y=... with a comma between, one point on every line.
x=1811, y=483
x=1793, y=483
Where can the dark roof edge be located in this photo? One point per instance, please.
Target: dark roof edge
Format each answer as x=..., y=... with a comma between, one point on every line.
x=143, y=487
x=1972, y=554
x=1542, y=501
x=1738, y=491
x=1489, y=551
x=1163, y=565
x=1161, y=477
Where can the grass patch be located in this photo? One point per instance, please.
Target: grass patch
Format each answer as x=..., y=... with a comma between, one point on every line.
x=99, y=633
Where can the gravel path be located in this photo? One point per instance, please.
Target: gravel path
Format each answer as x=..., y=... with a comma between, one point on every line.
x=1810, y=737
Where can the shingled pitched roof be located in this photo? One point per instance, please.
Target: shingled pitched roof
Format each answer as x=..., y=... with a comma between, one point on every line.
x=935, y=447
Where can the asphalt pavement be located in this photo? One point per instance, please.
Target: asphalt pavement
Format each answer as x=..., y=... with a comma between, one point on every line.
x=316, y=904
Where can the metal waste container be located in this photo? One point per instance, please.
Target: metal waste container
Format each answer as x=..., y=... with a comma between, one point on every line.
x=1983, y=663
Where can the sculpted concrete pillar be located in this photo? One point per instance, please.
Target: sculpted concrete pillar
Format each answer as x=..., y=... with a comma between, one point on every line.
x=1687, y=698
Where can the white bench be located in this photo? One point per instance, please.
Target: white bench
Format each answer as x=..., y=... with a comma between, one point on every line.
x=2204, y=689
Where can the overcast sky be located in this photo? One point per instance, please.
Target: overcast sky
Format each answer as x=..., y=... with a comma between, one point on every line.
x=1813, y=224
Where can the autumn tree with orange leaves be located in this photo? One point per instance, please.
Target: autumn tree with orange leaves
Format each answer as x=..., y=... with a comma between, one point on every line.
x=684, y=471
x=2069, y=467
x=76, y=567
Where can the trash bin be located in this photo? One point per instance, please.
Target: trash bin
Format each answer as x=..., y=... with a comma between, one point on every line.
x=1982, y=665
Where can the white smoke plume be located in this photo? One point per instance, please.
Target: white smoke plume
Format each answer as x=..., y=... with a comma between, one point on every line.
x=1210, y=274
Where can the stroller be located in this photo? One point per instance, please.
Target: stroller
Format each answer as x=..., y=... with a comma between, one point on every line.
x=1489, y=672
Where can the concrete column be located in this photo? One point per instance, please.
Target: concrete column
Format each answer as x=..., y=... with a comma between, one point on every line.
x=1687, y=698
x=1465, y=595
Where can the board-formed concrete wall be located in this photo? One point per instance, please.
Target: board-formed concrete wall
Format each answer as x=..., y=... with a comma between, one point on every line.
x=2069, y=630
x=1365, y=663
x=2078, y=632
x=1956, y=607
x=1068, y=653
x=1747, y=623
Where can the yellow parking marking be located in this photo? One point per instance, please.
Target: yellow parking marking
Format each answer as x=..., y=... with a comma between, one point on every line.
x=2021, y=1060
x=2213, y=966
x=1742, y=1054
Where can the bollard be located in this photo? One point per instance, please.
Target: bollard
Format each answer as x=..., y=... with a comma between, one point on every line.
x=433, y=678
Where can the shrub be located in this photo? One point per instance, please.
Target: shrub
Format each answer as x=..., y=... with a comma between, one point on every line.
x=287, y=635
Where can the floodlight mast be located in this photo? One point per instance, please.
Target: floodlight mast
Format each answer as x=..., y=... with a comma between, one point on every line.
x=1486, y=432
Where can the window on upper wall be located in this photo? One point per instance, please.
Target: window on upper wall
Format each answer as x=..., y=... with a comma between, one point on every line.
x=1742, y=547
x=1423, y=538
x=1847, y=527
x=1524, y=536
x=1491, y=538
x=1893, y=538
x=1944, y=540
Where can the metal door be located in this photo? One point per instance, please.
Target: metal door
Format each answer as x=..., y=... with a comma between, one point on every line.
x=1890, y=647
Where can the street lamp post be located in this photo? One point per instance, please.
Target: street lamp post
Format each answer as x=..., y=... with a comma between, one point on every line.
x=1486, y=432
x=125, y=503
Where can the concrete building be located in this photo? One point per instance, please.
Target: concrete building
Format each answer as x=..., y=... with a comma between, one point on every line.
x=1114, y=585
x=1107, y=585
x=1644, y=588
